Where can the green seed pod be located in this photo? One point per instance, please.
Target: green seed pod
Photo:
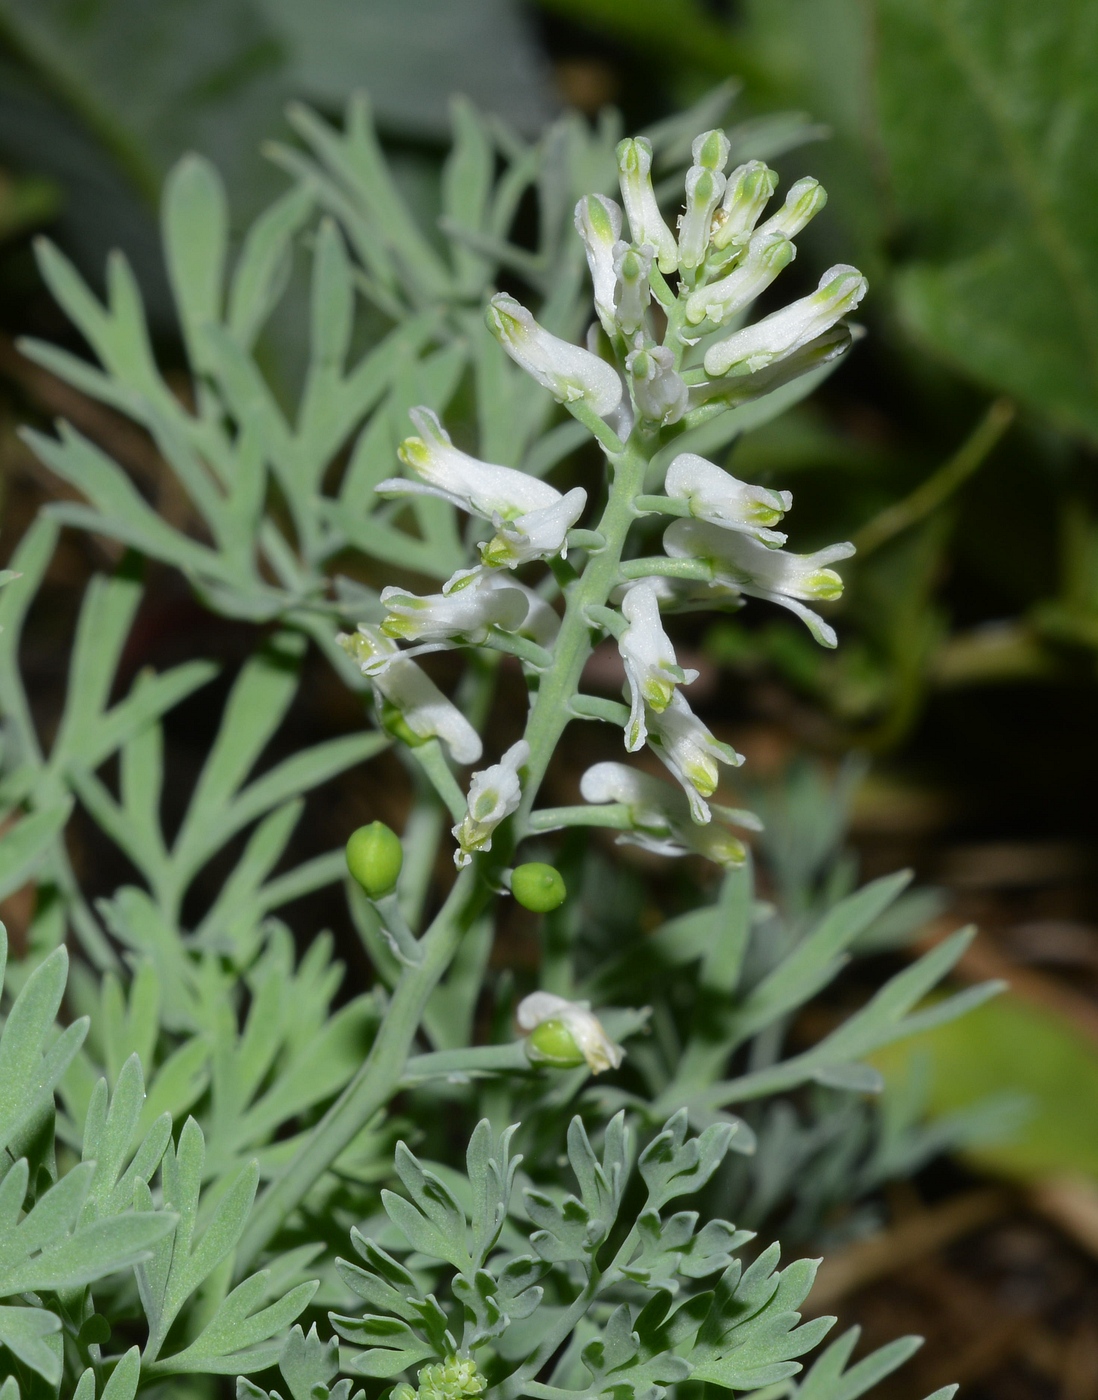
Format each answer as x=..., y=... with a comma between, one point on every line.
x=538, y=886
x=552, y=1043
x=374, y=858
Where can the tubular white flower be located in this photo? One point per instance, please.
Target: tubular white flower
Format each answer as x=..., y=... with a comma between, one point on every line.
x=659, y=390
x=803, y=202
x=740, y=562
x=584, y=1027
x=767, y=254
x=650, y=665
x=632, y=292
x=494, y=793
x=598, y=223
x=690, y=751
x=704, y=189
x=481, y=488
x=408, y=698
x=711, y=149
x=716, y=496
x=840, y=290
x=746, y=194
x=539, y=534
x=567, y=371
x=470, y=603
x=660, y=815
x=645, y=220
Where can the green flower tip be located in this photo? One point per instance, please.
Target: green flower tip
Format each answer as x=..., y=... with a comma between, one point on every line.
x=552, y=1043
x=374, y=858
x=538, y=886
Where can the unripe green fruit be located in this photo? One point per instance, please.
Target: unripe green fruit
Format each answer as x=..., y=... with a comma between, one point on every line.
x=538, y=887
x=374, y=858
x=552, y=1043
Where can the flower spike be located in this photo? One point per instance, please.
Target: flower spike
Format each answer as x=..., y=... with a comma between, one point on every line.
x=411, y=706
x=494, y=793
x=567, y=371
x=650, y=665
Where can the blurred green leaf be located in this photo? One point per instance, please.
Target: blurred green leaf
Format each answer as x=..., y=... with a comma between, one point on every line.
x=988, y=109
x=1012, y=1045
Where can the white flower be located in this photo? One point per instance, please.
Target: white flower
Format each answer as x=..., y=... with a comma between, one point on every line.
x=408, y=698
x=742, y=563
x=660, y=391
x=645, y=220
x=567, y=371
x=539, y=534
x=632, y=292
x=481, y=488
x=494, y=793
x=691, y=752
x=576, y=1019
x=541, y=624
x=767, y=254
x=840, y=290
x=470, y=603
x=703, y=193
x=598, y=223
x=711, y=149
x=716, y=496
x=650, y=665
x=660, y=815
x=746, y=194
x=803, y=202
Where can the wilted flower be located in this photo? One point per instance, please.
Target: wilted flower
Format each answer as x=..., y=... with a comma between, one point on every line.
x=598, y=223
x=650, y=665
x=660, y=815
x=691, y=752
x=716, y=496
x=410, y=704
x=470, y=603
x=567, y=371
x=481, y=488
x=565, y=1033
x=840, y=290
x=494, y=793
x=646, y=223
x=781, y=577
x=539, y=534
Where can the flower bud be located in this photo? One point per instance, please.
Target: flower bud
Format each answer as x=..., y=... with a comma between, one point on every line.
x=767, y=255
x=711, y=149
x=598, y=223
x=645, y=220
x=538, y=887
x=803, y=202
x=374, y=858
x=632, y=292
x=659, y=390
x=703, y=192
x=748, y=189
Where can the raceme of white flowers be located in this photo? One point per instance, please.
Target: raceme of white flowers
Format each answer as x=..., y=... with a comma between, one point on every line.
x=669, y=348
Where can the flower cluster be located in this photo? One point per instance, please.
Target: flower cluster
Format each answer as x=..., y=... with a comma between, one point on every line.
x=669, y=350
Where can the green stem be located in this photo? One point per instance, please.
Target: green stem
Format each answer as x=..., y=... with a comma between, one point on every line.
x=552, y=707
x=377, y=1078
